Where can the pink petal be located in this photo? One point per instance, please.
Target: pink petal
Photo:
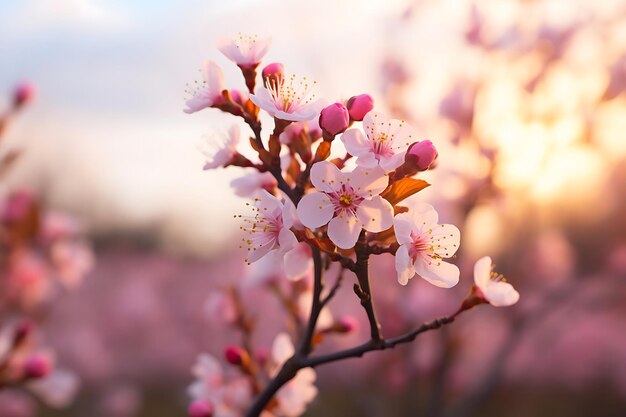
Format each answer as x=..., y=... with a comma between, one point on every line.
x=403, y=226
x=404, y=266
x=355, y=142
x=445, y=239
x=254, y=254
x=501, y=294
x=344, y=230
x=439, y=273
x=267, y=203
x=367, y=160
x=214, y=77
x=315, y=210
x=393, y=162
x=298, y=261
x=290, y=217
x=286, y=240
x=326, y=177
x=282, y=349
x=482, y=272
x=423, y=216
x=368, y=182
x=197, y=103
x=375, y=214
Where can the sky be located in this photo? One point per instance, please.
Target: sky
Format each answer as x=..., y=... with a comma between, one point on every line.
x=107, y=137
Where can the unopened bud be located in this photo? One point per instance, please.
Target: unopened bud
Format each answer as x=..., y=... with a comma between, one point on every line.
x=273, y=73
x=421, y=155
x=37, y=366
x=334, y=119
x=235, y=355
x=346, y=324
x=359, y=106
x=23, y=94
x=200, y=408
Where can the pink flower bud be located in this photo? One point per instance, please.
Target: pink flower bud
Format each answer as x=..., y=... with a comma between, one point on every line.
x=359, y=106
x=421, y=155
x=334, y=119
x=347, y=324
x=272, y=73
x=236, y=355
x=200, y=408
x=36, y=366
x=23, y=94
x=17, y=206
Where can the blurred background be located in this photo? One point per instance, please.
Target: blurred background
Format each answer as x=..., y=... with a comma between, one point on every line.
x=524, y=100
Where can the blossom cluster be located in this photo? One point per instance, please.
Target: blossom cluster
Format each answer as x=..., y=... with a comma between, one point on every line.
x=42, y=254
x=343, y=208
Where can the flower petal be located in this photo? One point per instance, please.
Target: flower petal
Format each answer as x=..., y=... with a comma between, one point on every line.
x=501, y=294
x=482, y=272
x=325, y=176
x=375, y=214
x=315, y=210
x=267, y=203
x=389, y=163
x=423, y=216
x=403, y=226
x=282, y=349
x=367, y=160
x=368, y=182
x=298, y=261
x=437, y=272
x=355, y=142
x=214, y=78
x=445, y=239
x=290, y=217
x=286, y=240
x=344, y=230
x=256, y=253
x=404, y=266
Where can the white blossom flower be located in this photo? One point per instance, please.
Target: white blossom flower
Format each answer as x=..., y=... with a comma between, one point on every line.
x=268, y=230
x=385, y=144
x=244, y=50
x=492, y=286
x=210, y=92
x=220, y=152
x=423, y=246
x=288, y=98
x=347, y=202
x=294, y=396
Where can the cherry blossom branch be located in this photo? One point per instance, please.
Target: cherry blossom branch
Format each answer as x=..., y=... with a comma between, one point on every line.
x=381, y=344
x=333, y=289
x=316, y=307
x=363, y=290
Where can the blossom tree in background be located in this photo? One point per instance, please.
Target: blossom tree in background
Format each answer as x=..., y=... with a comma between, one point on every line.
x=332, y=214
x=42, y=254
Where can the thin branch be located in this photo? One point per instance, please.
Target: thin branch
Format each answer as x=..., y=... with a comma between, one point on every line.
x=334, y=289
x=373, y=345
x=363, y=290
x=316, y=306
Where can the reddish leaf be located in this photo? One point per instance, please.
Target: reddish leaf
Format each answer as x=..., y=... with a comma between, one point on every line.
x=402, y=189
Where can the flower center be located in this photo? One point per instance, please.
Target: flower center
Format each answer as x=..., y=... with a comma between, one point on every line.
x=290, y=93
x=345, y=200
x=422, y=246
